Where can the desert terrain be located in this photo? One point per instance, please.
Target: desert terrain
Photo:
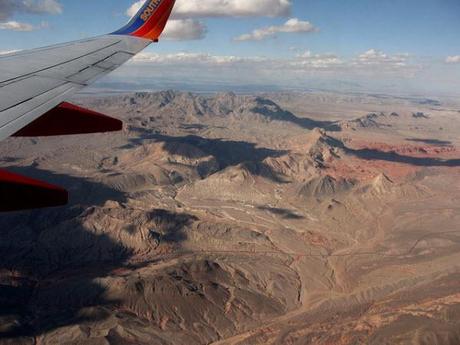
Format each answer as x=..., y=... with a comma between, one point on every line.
x=278, y=218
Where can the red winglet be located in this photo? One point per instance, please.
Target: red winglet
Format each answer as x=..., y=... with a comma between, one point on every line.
x=22, y=193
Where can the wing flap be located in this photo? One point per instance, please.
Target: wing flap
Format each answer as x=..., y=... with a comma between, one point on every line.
x=68, y=119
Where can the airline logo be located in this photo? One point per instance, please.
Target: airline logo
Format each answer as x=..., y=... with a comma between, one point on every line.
x=150, y=9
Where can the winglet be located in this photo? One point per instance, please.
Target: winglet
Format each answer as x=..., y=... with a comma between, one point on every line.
x=150, y=21
x=22, y=193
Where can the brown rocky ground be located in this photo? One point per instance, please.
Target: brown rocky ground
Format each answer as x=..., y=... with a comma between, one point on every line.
x=271, y=219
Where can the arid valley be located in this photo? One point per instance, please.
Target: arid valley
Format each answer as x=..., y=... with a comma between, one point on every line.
x=281, y=218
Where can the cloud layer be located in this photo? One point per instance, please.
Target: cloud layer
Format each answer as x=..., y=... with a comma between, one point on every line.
x=293, y=25
x=305, y=62
x=300, y=70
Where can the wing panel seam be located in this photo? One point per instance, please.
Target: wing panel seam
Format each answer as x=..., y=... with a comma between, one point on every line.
x=8, y=81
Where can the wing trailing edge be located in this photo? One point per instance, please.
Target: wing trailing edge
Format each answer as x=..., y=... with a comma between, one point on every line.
x=150, y=21
x=68, y=119
x=18, y=192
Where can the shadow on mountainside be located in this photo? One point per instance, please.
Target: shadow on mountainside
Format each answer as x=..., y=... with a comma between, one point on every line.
x=226, y=152
x=373, y=154
x=169, y=226
x=435, y=142
x=391, y=156
x=271, y=110
x=81, y=191
x=50, y=259
x=282, y=212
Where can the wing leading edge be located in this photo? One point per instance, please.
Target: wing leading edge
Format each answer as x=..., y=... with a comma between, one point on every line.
x=35, y=83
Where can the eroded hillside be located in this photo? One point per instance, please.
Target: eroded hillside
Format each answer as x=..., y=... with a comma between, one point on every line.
x=234, y=219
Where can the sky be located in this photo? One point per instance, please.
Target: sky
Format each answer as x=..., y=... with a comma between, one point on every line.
x=394, y=46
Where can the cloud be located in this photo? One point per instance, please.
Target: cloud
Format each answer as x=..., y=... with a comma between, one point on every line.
x=306, y=61
x=184, y=29
x=186, y=59
x=375, y=62
x=293, y=25
x=306, y=69
x=317, y=61
x=16, y=26
x=134, y=8
x=374, y=57
x=453, y=59
x=232, y=8
x=10, y=7
x=224, y=8
x=25, y=27
x=6, y=52
x=302, y=65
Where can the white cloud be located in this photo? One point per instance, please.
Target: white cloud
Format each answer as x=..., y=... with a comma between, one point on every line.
x=374, y=57
x=184, y=58
x=293, y=25
x=17, y=26
x=181, y=27
x=301, y=69
x=232, y=8
x=9, y=7
x=224, y=8
x=317, y=61
x=453, y=59
x=134, y=8
x=184, y=29
x=304, y=64
x=375, y=62
x=6, y=52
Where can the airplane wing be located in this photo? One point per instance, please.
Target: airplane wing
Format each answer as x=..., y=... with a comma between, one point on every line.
x=34, y=85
